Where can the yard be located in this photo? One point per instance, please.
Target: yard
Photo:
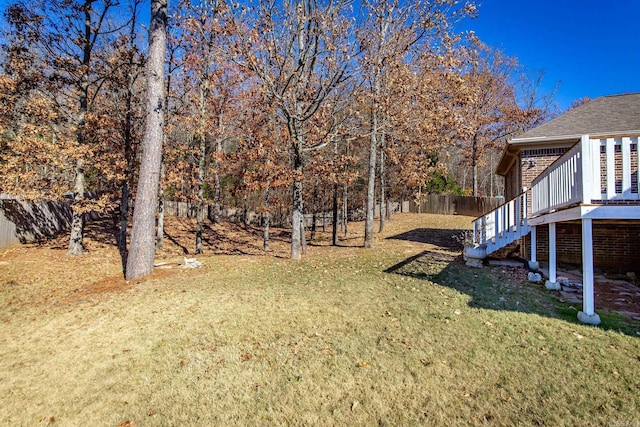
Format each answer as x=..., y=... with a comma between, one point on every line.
x=404, y=334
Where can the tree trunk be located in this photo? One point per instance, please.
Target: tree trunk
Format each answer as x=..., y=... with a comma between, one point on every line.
x=474, y=165
x=345, y=206
x=142, y=248
x=303, y=235
x=334, y=230
x=245, y=208
x=77, y=222
x=371, y=184
x=217, y=187
x=124, y=218
x=314, y=214
x=266, y=217
x=129, y=154
x=323, y=209
x=200, y=204
x=296, y=220
x=388, y=208
x=76, y=246
x=383, y=214
x=160, y=228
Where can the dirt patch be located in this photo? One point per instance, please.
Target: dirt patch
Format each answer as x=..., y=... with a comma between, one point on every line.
x=42, y=273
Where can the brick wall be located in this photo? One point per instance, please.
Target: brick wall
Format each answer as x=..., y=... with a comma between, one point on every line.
x=534, y=165
x=618, y=168
x=615, y=246
x=534, y=161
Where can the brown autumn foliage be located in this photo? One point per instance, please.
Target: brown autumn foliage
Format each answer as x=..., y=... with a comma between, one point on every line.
x=269, y=104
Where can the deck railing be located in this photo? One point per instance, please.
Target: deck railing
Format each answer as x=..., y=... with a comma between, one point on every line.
x=593, y=170
x=503, y=225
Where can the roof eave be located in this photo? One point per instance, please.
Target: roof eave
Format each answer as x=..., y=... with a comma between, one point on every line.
x=544, y=140
x=569, y=138
x=509, y=154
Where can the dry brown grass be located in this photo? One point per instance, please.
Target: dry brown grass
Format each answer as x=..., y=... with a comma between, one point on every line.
x=346, y=336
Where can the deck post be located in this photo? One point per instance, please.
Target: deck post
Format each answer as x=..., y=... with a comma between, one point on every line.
x=518, y=216
x=551, y=283
x=533, y=263
x=587, y=315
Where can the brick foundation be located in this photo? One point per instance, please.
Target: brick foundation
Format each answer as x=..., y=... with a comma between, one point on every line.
x=615, y=246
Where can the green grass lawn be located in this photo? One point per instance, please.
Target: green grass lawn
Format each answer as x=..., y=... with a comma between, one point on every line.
x=402, y=334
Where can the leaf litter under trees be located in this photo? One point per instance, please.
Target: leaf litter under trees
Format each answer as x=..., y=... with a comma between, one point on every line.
x=269, y=100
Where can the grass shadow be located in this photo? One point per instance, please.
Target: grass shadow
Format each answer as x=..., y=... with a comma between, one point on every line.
x=495, y=287
x=447, y=239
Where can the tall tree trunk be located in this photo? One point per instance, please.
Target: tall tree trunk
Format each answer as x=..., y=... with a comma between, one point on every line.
x=129, y=155
x=245, y=208
x=303, y=235
x=383, y=215
x=160, y=228
x=334, y=231
x=217, y=187
x=474, y=164
x=314, y=214
x=202, y=161
x=76, y=246
x=296, y=221
x=388, y=208
x=266, y=216
x=142, y=248
x=77, y=222
x=163, y=165
x=345, y=207
x=323, y=208
x=200, y=204
x=371, y=184
x=124, y=217
x=297, y=215
x=127, y=182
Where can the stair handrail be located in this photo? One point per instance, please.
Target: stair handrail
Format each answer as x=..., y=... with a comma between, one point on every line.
x=500, y=226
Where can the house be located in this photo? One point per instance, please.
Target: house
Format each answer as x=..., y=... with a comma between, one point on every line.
x=572, y=191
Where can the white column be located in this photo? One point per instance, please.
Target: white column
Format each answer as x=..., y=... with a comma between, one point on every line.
x=588, y=168
x=611, y=169
x=533, y=264
x=551, y=283
x=626, y=167
x=587, y=315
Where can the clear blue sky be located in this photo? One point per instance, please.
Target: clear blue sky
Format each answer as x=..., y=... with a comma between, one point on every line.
x=591, y=48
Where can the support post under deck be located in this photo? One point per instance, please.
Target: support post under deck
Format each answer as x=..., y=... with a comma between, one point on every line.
x=533, y=263
x=551, y=283
x=588, y=314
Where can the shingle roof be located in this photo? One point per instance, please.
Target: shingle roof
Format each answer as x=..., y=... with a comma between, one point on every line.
x=607, y=115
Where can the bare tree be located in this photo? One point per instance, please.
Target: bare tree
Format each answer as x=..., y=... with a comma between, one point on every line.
x=391, y=31
x=297, y=50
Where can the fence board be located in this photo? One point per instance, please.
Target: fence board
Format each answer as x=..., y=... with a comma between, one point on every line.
x=455, y=205
x=22, y=222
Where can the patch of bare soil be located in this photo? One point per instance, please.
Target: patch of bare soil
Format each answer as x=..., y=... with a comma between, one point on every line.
x=43, y=273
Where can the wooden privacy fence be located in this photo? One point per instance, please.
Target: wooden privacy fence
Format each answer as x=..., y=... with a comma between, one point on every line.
x=278, y=217
x=26, y=222
x=23, y=222
x=456, y=205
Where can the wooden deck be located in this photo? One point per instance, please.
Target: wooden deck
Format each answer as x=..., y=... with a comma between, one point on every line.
x=596, y=179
